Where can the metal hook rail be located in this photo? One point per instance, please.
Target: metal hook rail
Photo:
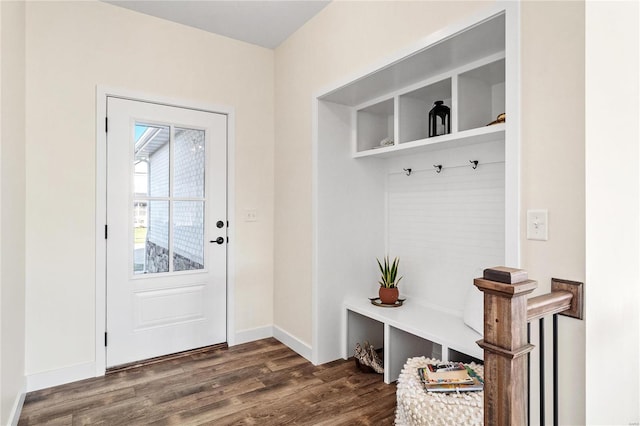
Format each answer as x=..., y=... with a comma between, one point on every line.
x=438, y=168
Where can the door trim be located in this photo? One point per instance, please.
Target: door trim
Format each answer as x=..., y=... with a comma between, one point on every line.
x=102, y=92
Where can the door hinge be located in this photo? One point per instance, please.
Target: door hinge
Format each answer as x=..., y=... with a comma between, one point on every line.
x=105, y=338
x=106, y=232
x=106, y=124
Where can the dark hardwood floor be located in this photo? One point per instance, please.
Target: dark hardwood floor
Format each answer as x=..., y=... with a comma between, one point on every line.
x=258, y=383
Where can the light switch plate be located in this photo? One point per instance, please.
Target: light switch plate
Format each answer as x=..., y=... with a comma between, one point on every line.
x=250, y=215
x=537, y=225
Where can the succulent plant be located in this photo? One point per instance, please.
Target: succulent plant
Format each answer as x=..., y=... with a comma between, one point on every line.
x=389, y=271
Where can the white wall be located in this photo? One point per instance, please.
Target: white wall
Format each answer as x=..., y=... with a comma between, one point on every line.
x=71, y=48
x=448, y=226
x=612, y=210
x=12, y=209
x=348, y=37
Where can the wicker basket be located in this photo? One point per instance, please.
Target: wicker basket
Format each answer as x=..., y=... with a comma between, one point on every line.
x=365, y=368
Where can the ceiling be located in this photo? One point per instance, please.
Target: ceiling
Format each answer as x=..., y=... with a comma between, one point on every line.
x=266, y=23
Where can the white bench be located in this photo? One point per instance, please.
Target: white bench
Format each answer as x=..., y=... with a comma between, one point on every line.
x=407, y=331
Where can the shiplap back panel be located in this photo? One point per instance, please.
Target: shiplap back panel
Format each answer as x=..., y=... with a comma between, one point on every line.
x=446, y=228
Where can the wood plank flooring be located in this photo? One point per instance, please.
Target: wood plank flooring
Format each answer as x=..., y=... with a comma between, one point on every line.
x=258, y=383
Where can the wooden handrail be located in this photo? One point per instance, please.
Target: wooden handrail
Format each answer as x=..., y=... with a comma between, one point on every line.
x=548, y=304
x=507, y=310
x=565, y=298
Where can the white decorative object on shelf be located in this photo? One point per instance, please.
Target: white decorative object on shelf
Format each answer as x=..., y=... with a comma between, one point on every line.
x=386, y=142
x=474, y=309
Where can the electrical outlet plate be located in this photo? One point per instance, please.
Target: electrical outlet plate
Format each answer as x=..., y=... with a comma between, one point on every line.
x=537, y=225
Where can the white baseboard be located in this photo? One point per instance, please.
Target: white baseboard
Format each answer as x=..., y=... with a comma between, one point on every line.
x=17, y=408
x=61, y=376
x=249, y=335
x=293, y=342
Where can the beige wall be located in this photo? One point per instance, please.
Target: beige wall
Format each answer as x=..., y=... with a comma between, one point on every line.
x=71, y=48
x=552, y=166
x=12, y=206
x=552, y=172
x=613, y=210
x=345, y=39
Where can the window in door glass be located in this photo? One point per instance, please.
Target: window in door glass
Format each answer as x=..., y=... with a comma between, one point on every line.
x=188, y=168
x=152, y=243
x=188, y=235
x=151, y=160
x=169, y=204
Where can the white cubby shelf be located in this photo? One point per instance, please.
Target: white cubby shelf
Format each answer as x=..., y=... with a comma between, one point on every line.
x=474, y=92
x=446, y=225
x=411, y=330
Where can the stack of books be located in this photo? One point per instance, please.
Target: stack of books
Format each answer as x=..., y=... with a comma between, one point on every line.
x=450, y=377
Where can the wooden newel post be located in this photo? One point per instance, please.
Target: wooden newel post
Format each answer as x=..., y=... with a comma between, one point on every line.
x=505, y=345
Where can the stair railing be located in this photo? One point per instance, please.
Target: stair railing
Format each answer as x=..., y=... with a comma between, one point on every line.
x=508, y=310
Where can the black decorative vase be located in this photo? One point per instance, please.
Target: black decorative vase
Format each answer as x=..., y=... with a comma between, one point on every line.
x=439, y=119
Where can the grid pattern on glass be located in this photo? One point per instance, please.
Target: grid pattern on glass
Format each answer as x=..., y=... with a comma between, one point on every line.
x=163, y=198
x=151, y=159
x=188, y=166
x=140, y=222
x=188, y=235
x=156, y=239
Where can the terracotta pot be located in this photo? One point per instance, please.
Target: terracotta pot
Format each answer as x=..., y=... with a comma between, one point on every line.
x=388, y=296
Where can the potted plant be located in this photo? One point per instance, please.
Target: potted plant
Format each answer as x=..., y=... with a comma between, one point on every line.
x=388, y=280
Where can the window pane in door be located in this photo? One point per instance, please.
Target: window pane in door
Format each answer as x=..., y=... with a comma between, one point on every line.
x=151, y=160
x=188, y=235
x=188, y=168
x=141, y=177
x=155, y=257
x=140, y=221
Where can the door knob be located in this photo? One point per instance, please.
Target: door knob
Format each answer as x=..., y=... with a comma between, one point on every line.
x=219, y=224
x=219, y=240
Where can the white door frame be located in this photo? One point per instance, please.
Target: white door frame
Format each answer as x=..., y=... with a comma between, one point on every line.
x=102, y=92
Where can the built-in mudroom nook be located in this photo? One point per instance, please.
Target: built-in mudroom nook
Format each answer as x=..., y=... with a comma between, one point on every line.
x=417, y=159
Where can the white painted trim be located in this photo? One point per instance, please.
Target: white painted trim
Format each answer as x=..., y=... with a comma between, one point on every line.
x=60, y=376
x=101, y=220
x=102, y=92
x=164, y=100
x=231, y=229
x=252, y=334
x=315, y=320
x=16, y=410
x=513, y=136
x=293, y=343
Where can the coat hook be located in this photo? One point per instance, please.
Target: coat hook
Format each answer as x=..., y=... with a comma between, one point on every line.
x=407, y=171
x=474, y=164
x=438, y=167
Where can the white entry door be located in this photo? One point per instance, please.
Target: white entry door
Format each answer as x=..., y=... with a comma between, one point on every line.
x=166, y=230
